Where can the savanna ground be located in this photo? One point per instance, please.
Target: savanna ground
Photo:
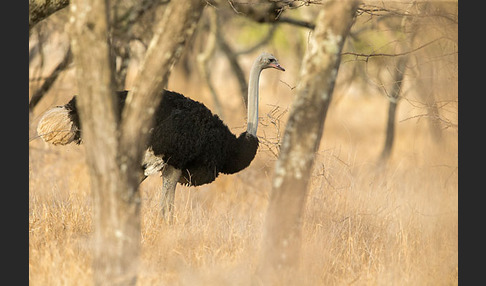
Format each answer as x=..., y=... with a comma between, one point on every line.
x=364, y=224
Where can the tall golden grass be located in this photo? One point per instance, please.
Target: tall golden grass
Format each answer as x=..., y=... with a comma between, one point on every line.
x=363, y=224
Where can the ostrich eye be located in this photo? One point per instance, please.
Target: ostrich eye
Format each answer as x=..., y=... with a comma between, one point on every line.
x=272, y=60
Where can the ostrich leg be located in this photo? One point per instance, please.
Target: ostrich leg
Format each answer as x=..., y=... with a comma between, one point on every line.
x=170, y=177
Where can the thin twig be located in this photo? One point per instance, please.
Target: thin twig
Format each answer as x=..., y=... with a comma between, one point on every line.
x=367, y=56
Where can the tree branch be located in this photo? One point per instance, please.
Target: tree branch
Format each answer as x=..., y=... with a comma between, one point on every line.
x=262, y=42
x=41, y=9
x=367, y=56
x=235, y=66
x=296, y=22
x=374, y=10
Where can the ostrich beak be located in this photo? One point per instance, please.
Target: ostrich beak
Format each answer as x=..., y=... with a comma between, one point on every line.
x=277, y=66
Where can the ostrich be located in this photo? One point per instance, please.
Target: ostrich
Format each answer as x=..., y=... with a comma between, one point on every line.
x=187, y=144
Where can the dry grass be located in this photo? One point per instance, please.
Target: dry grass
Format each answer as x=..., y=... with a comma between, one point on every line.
x=363, y=225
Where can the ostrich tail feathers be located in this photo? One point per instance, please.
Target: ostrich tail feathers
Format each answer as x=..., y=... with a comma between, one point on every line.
x=57, y=128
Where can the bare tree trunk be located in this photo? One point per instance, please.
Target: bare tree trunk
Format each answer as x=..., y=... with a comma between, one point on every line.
x=426, y=81
x=281, y=238
x=114, y=149
x=204, y=57
x=116, y=206
x=394, y=97
x=394, y=94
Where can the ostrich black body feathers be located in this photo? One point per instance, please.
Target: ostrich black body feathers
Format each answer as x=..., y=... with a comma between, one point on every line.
x=187, y=136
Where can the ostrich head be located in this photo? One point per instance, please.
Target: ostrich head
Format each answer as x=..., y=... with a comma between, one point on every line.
x=267, y=60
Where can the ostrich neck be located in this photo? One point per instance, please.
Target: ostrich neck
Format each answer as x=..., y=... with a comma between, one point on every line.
x=253, y=99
